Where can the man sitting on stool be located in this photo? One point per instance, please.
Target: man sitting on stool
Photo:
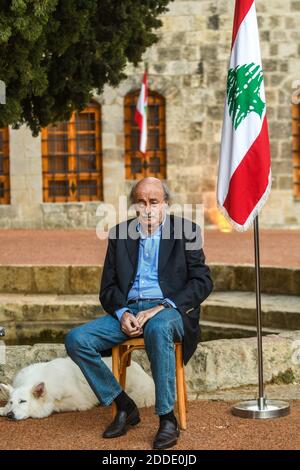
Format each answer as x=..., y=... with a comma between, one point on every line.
x=153, y=282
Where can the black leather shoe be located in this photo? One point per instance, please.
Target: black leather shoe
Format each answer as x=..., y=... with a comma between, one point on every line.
x=121, y=423
x=167, y=435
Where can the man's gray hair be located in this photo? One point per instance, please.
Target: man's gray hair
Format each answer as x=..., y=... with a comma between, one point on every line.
x=167, y=195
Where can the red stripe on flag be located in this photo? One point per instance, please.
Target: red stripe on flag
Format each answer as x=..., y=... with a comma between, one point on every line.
x=137, y=115
x=250, y=180
x=138, y=119
x=241, y=9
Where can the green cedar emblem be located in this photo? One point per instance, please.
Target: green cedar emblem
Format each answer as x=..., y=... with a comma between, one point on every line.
x=243, y=92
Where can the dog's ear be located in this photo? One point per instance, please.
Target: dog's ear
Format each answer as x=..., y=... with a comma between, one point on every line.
x=39, y=390
x=5, y=391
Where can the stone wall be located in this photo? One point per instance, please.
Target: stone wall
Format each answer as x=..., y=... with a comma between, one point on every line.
x=216, y=365
x=67, y=279
x=189, y=67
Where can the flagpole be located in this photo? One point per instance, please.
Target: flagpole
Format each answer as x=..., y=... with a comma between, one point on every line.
x=260, y=408
x=140, y=116
x=241, y=192
x=261, y=397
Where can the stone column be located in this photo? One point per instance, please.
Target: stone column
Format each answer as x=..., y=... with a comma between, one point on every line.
x=25, y=177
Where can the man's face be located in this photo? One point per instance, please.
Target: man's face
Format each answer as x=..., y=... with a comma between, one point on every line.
x=150, y=205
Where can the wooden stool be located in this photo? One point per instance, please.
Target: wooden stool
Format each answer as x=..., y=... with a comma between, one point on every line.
x=121, y=358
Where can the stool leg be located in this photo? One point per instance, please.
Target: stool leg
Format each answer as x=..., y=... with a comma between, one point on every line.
x=115, y=371
x=185, y=392
x=180, y=386
x=123, y=366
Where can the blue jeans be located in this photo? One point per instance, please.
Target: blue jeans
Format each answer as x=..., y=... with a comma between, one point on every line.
x=85, y=343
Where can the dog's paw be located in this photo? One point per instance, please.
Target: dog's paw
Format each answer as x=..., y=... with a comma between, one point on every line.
x=144, y=399
x=149, y=401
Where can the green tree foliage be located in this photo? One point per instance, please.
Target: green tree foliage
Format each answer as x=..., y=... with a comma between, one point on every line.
x=55, y=53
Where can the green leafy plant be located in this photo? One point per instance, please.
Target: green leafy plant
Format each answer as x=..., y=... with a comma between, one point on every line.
x=243, y=92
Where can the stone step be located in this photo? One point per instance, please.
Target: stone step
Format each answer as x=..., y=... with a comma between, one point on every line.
x=215, y=366
x=48, y=307
x=274, y=280
x=211, y=331
x=278, y=311
x=32, y=332
x=239, y=308
x=47, y=317
x=30, y=279
x=68, y=279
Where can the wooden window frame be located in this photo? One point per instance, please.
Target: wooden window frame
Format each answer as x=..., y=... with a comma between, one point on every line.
x=146, y=163
x=5, y=173
x=72, y=175
x=296, y=149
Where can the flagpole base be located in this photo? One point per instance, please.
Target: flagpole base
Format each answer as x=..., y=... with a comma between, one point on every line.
x=261, y=409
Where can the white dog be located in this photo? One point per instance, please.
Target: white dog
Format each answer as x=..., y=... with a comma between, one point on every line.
x=59, y=385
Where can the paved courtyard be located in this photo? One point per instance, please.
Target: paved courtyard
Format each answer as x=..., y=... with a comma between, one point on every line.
x=82, y=247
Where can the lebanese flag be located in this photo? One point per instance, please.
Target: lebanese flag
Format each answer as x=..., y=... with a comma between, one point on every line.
x=244, y=179
x=140, y=116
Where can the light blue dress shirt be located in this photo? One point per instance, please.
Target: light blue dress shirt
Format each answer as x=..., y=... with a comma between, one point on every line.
x=146, y=283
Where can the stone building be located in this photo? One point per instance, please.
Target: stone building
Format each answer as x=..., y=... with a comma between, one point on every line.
x=59, y=178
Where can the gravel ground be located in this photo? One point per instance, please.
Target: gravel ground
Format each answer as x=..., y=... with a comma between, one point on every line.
x=82, y=247
x=210, y=426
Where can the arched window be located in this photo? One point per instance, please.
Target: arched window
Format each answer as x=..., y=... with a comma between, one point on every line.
x=138, y=165
x=296, y=148
x=4, y=166
x=72, y=158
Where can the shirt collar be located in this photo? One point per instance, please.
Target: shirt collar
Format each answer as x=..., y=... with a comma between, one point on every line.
x=157, y=232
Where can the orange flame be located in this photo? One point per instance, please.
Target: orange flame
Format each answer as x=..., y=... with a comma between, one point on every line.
x=222, y=223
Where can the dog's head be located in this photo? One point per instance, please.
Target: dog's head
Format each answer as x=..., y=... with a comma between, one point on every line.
x=24, y=402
